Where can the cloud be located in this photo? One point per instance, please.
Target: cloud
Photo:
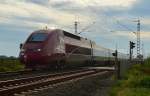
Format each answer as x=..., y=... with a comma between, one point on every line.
x=119, y=3
x=141, y=8
x=145, y=21
x=145, y=35
x=29, y=15
x=8, y=10
x=40, y=2
x=130, y=35
x=35, y=15
x=34, y=12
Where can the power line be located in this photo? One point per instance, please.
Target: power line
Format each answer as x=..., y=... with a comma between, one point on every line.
x=87, y=27
x=113, y=18
x=124, y=26
x=117, y=21
x=91, y=8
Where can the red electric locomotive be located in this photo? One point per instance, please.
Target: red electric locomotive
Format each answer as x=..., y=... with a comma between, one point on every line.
x=58, y=48
x=55, y=48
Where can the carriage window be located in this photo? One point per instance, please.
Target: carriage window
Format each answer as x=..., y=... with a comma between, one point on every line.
x=71, y=35
x=38, y=37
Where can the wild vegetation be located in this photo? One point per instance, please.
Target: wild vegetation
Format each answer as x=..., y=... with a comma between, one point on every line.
x=135, y=83
x=8, y=64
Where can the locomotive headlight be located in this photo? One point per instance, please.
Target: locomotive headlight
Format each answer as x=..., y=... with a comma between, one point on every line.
x=39, y=50
x=22, y=54
x=22, y=50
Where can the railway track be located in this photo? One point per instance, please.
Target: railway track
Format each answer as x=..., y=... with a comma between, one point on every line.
x=4, y=74
x=28, y=73
x=16, y=86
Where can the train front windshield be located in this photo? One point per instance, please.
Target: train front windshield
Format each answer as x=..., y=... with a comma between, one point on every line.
x=38, y=37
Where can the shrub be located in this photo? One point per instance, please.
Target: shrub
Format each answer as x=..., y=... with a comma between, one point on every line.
x=9, y=64
x=145, y=82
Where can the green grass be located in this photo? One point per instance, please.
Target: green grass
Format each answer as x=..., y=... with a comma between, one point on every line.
x=9, y=64
x=135, y=83
x=132, y=92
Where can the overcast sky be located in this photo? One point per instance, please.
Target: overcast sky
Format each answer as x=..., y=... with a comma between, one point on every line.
x=109, y=23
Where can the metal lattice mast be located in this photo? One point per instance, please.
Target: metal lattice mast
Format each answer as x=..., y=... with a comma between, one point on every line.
x=76, y=27
x=143, y=52
x=138, y=38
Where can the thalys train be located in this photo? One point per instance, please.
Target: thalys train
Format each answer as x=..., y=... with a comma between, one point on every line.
x=57, y=48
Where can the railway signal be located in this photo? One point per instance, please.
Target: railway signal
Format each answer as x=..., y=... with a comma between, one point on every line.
x=115, y=53
x=117, y=64
x=132, y=45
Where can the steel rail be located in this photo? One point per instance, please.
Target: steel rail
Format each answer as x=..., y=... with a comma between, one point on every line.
x=8, y=83
x=53, y=79
x=2, y=74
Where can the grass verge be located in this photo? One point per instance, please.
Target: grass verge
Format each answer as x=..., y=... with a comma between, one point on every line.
x=135, y=83
x=9, y=64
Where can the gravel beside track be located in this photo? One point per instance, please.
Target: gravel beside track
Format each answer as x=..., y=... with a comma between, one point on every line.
x=96, y=85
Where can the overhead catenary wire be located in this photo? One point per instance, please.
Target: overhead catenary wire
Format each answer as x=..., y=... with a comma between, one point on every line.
x=93, y=10
x=87, y=27
x=118, y=22
x=112, y=17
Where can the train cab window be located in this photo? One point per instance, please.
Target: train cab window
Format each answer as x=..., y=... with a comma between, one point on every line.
x=38, y=37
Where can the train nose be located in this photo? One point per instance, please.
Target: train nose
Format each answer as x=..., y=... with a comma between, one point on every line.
x=31, y=55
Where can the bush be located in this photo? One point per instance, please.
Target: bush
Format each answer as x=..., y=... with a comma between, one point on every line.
x=136, y=82
x=147, y=62
x=145, y=82
x=9, y=64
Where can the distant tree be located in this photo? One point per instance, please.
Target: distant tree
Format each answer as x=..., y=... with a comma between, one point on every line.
x=12, y=57
x=3, y=57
